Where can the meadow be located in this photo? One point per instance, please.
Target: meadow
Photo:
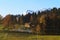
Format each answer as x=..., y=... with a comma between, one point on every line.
x=23, y=36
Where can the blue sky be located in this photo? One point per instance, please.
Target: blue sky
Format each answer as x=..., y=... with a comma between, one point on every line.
x=21, y=6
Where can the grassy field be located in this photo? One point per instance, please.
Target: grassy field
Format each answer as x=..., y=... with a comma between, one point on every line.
x=25, y=36
x=22, y=36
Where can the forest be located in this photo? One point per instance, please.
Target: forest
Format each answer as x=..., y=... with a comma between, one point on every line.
x=41, y=22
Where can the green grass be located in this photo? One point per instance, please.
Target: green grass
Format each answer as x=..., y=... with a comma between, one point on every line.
x=24, y=36
x=19, y=36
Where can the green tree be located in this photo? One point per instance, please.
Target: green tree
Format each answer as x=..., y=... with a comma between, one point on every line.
x=0, y=19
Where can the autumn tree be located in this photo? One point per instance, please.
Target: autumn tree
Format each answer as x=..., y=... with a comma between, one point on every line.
x=7, y=22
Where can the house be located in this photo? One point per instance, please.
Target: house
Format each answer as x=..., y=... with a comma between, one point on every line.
x=27, y=25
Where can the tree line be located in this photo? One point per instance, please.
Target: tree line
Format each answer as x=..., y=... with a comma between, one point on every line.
x=47, y=21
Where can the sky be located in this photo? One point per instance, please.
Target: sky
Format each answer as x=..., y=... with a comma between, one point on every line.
x=16, y=7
